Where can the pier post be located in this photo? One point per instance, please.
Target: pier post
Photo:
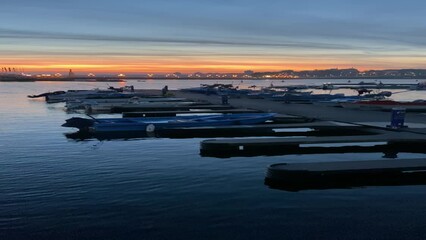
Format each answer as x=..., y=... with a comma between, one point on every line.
x=397, y=118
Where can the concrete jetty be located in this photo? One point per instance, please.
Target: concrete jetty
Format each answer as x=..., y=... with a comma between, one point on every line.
x=346, y=174
x=324, y=113
x=388, y=143
x=412, y=138
x=168, y=108
x=176, y=112
x=370, y=134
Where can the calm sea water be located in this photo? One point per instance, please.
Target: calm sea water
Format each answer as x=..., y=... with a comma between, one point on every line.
x=55, y=188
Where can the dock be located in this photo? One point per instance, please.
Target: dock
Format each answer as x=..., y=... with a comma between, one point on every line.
x=386, y=140
x=293, y=129
x=171, y=113
x=289, y=129
x=346, y=174
x=324, y=113
x=170, y=108
x=388, y=143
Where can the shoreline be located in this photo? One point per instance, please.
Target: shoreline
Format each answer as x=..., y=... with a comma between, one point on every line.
x=189, y=79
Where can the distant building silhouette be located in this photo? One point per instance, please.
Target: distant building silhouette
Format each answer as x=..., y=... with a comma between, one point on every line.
x=71, y=74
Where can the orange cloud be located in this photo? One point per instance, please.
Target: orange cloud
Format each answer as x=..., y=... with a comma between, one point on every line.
x=156, y=64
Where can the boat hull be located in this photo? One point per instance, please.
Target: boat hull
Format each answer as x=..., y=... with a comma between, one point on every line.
x=158, y=123
x=386, y=105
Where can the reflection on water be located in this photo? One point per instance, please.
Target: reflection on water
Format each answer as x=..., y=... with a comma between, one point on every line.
x=55, y=188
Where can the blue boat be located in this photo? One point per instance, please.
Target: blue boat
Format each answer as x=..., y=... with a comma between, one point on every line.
x=152, y=124
x=305, y=97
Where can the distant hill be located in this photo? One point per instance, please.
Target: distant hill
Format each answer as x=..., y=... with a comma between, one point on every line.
x=345, y=73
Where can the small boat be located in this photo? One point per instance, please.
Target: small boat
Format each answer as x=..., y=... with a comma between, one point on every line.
x=108, y=107
x=387, y=105
x=336, y=102
x=420, y=86
x=351, y=99
x=151, y=124
x=306, y=97
x=71, y=95
x=82, y=103
x=62, y=96
x=46, y=94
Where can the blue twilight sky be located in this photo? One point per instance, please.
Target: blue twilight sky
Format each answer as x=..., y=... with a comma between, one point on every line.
x=220, y=35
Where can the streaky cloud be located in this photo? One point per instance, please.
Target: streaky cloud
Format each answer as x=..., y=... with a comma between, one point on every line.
x=23, y=34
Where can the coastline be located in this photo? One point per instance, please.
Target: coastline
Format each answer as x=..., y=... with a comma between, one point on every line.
x=109, y=79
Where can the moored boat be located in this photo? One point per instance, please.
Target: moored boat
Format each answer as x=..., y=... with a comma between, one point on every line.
x=83, y=103
x=107, y=107
x=387, y=105
x=305, y=97
x=62, y=96
x=154, y=123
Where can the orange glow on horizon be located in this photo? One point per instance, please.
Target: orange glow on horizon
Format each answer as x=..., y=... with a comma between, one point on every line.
x=190, y=65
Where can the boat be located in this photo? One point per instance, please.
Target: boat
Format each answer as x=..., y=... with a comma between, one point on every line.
x=108, y=107
x=218, y=89
x=336, y=102
x=420, y=86
x=82, y=103
x=351, y=99
x=46, y=94
x=305, y=97
x=387, y=105
x=87, y=94
x=62, y=96
x=151, y=124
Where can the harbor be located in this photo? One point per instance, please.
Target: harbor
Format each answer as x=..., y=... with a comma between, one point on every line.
x=165, y=165
x=212, y=120
x=287, y=127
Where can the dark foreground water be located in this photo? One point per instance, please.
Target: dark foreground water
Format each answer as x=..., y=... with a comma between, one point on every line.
x=55, y=188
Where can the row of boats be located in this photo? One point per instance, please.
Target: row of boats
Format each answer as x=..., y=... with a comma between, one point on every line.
x=270, y=91
x=295, y=93
x=111, y=92
x=113, y=100
x=385, y=105
x=365, y=99
x=129, y=99
x=105, y=101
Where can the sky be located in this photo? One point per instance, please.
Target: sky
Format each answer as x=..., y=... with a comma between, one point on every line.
x=149, y=36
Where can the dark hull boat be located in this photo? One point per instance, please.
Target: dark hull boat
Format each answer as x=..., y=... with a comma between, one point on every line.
x=154, y=123
x=387, y=105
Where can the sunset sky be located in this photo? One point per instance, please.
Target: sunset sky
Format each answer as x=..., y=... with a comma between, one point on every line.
x=211, y=36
